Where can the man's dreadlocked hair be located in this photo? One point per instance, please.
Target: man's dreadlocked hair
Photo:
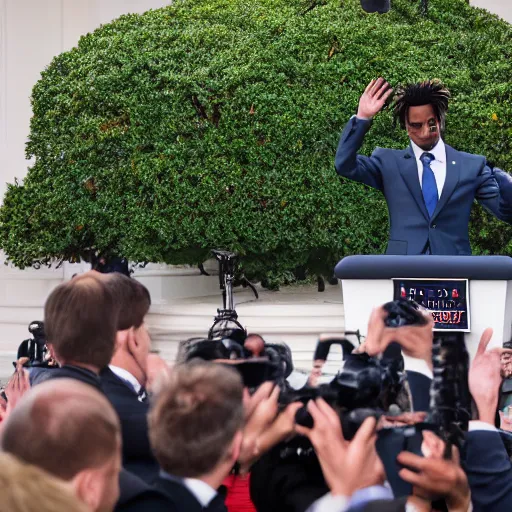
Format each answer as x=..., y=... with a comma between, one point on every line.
x=429, y=92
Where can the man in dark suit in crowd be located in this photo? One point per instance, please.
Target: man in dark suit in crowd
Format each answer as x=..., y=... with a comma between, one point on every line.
x=70, y=430
x=195, y=429
x=124, y=380
x=429, y=187
x=487, y=463
x=485, y=458
x=80, y=318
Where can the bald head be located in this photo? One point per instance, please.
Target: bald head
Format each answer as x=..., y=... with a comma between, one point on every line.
x=64, y=427
x=80, y=318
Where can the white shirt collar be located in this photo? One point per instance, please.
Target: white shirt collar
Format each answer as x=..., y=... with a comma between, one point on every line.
x=201, y=490
x=126, y=375
x=439, y=151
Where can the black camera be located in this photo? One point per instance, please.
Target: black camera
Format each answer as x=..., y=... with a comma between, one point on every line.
x=365, y=386
x=403, y=312
x=34, y=349
x=273, y=364
x=226, y=341
x=289, y=475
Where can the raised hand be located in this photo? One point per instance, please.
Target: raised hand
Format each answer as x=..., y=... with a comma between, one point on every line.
x=346, y=465
x=373, y=98
x=415, y=340
x=262, y=394
x=157, y=369
x=434, y=477
x=485, y=378
x=260, y=412
x=259, y=441
x=17, y=386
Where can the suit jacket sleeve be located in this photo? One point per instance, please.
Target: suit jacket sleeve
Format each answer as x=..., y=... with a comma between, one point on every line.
x=356, y=167
x=505, y=184
x=489, y=472
x=494, y=192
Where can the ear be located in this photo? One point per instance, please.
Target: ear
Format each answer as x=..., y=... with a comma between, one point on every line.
x=121, y=339
x=87, y=485
x=236, y=445
x=131, y=340
x=52, y=350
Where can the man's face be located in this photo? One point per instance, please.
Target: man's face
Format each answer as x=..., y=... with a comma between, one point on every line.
x=423, y=126
x=144, y=345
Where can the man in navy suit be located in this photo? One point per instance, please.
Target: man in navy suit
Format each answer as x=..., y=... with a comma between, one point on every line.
x=429, y=187
x=125, y=378
x=195, y=429
x=69, y=429
x=80, y=323
x=485, y=458
x=487, y=462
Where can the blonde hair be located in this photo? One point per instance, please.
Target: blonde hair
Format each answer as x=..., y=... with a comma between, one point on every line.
x=26, y=488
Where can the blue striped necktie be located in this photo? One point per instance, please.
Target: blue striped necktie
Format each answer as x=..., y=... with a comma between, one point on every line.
x=428, y=184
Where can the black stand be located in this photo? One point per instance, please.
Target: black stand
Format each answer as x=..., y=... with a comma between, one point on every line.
x=227, y=315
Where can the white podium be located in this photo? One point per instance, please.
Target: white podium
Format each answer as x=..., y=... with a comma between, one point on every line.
x=370, y=281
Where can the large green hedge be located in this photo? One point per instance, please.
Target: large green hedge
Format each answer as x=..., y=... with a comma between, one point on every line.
x=214, y=123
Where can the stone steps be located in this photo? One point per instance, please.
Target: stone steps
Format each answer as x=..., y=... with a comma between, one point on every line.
x=294, y=315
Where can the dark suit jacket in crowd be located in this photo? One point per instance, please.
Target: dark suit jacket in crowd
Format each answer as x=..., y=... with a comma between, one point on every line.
x=71, y=372
x=137, y=455
x=38, y=374
x=489, y=472
x=183, y=500
x=484, y=459
x=137, y=496
x=286, y=485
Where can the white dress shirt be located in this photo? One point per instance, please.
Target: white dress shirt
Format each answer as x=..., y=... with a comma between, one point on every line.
x=201, y=490
x=330, y=503
x=438, y=165
x=475, y=425
x=127, y=376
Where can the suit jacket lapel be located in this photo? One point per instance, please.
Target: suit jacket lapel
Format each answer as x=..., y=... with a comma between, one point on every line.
x=409, y=171
x=217, y=505
x=453, y=165
x=110, y=374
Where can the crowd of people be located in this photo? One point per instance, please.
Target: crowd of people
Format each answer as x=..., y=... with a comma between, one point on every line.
x=113, y=427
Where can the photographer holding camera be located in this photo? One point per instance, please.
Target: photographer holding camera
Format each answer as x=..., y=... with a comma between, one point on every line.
x=332, y=447
x=355, y=474
x=433, y=472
